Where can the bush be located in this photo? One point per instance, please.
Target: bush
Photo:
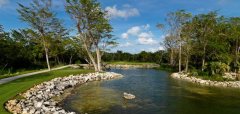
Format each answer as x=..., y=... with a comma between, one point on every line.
x=203, y=73
x=78, y=62
x=218, y=68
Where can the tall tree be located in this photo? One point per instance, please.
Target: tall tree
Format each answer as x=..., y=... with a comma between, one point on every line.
x=235, y=39
x=93, y=27
x=204, y=30
x=187, y=37
x=170, y=43
x=176, y=20
x=41, y=18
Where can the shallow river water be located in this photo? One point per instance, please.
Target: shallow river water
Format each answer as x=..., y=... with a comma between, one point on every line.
x=156, y=93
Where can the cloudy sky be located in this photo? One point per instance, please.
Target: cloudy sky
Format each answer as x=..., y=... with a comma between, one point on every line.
x=134, y=21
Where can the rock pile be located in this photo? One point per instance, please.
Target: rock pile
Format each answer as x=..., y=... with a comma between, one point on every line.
x=234, y=84
x=38, y=100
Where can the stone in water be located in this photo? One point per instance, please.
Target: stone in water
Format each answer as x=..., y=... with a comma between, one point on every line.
x=128, y=95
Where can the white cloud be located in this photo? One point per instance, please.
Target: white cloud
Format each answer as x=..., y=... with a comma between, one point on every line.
x=134, y=31
x=142, y=33
x=124, y=35
x=127, y=44
x=146, y=38
x=128, y=11
x=3, y=2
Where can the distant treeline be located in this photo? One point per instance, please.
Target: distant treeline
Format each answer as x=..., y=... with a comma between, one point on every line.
x=155, y=57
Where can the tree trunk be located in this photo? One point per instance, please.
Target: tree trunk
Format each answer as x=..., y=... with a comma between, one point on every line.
x=180, y=52
x=98, y=59
x=58, y=61
x=91, y=58
x=180, y=57
x=46, y=49
x=171, y=57
x=70, y=60
x=46, y=54
x=186, y=69
x=203, y=59
x=236, y=57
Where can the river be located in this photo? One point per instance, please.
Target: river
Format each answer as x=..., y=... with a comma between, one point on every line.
x=156, y=93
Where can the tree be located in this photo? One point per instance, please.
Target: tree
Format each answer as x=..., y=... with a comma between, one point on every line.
x=176, y=20
x=234, y=32
x=93, y=28
x=204, y=30
x=42, y=19
x=187, y=37
x=170, y=43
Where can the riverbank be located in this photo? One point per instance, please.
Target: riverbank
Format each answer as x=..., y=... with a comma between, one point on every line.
x=12, y=89
x=39, y=98
x=181, y=76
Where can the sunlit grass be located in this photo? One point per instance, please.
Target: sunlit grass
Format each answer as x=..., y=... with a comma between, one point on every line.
x=24, y=71
x=12, y=89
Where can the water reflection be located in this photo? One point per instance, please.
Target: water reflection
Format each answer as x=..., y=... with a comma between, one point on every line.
x=155, y=92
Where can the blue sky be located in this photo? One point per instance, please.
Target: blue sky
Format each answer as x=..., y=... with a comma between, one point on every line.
x=134, y=21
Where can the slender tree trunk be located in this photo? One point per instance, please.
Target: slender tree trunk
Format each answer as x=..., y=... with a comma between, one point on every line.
x=46, y=49
x=186, y=69
x=70, y=60
x=161, y=56
x=87, y=49
x=58, y=61
x=91, y=58
x=98, y=59
x=203, y=59
x=46, y=54
x=236, y=56
x=180, y=52
x=171, y=57
x=180, y=57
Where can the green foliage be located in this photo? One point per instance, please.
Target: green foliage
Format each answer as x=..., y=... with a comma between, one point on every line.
x=219, y=68
x=168, y=68
x=78, y=62
x=158, y=57
x=202, y=73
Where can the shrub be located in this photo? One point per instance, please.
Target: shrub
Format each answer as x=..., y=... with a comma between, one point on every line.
x=78, y=62
x=218, y=68
x=203, y=73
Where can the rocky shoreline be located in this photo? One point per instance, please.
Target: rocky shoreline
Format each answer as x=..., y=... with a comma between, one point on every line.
x=233, y=84
x=39, y=99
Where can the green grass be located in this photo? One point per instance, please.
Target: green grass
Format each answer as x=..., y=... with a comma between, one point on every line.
x=12, y=89
x=129, y=63
x=17, y=73
x=214, y=78
x=24, y=71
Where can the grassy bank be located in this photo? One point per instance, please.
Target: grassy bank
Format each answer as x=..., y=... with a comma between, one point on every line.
x=128, y=63
x=12, y=89
x=23, y=71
